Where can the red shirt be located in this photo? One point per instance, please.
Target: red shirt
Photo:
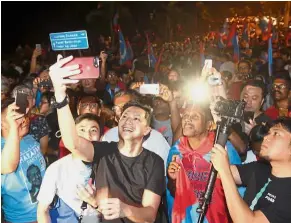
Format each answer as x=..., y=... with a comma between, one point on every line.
x=274, y=114
x=235, y=90
x=63, y=150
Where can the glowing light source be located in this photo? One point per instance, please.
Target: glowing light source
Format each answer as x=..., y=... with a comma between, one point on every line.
x=198, y=92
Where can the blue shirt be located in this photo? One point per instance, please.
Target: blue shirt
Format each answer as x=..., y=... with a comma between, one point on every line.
x=19, y=189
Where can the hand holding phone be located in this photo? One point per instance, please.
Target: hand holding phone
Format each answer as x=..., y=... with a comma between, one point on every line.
x=21, y=102
x=89, y=67
x=38, y=46
x=208, y=64
x=13, y=116
x=248, y=115
x=153, y=89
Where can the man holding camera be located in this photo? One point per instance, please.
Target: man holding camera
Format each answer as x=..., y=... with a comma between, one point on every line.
x=268, y=196
x=253, y=93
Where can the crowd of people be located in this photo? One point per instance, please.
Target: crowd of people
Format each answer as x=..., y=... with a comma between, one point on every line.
x=97, y=150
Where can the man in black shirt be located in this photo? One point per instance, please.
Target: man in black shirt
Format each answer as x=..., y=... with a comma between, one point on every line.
x=268, y=194
x=253, y=93
x=129, y=179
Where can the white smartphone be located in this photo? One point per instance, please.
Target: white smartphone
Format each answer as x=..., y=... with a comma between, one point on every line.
x=38, y=46
x=208, y=63
x=149, y=89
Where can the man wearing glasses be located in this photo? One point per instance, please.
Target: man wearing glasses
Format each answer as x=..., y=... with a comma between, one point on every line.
x=89, y=104
x=280, y=93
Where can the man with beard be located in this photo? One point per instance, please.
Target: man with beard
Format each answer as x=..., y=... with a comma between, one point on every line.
x=267, y=198
x=280, y=89
x=173, y=76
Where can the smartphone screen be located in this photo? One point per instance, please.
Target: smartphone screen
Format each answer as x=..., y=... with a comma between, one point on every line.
x=21, y=102
x=89, y=67
x=208, y=63
x=38, y=46
x=149, y=89
x=248, y=115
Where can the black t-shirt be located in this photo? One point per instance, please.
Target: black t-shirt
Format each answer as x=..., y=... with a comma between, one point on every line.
x=275, y=201
x=127, y=177
x=262, y=118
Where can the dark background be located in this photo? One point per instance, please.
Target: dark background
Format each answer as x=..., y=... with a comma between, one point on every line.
x=31, y=22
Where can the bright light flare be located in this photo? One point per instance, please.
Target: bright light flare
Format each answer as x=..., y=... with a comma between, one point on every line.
x=198, y=92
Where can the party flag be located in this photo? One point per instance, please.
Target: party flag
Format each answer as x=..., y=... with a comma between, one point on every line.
x=151, y=56
x=245, y=35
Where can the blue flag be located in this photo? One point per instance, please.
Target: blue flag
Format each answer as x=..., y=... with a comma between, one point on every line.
x=235, y=44
x=122, y=49
x=270, y=56
x=151, y=57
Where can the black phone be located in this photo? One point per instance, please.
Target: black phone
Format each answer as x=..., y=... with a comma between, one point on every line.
x=46, y=83
x=21, y=102
x=248, y=115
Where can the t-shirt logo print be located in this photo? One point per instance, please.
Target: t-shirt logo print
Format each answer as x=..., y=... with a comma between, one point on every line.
x=32, y=165
x=33, y=175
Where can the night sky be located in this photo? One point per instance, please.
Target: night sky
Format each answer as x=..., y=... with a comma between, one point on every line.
x=31, y=22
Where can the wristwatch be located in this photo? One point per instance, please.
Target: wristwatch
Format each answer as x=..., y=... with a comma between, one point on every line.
x=62, y=104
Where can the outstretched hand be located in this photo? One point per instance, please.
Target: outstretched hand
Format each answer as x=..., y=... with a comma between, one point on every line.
x=58, y=73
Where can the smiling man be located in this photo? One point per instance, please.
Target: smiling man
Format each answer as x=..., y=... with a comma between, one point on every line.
x=130, y=179
x=280, y=90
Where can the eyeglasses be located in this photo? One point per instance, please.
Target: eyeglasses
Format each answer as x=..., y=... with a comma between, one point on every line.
x=90, y=105
x=279, y=86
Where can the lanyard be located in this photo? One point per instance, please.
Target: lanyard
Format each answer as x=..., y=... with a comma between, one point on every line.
x=84, y=204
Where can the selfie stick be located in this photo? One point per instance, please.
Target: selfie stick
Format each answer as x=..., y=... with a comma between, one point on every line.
x=221, y=136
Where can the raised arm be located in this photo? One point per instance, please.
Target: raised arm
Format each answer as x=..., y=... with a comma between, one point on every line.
x=103, y=57
x=238, y=209
x=79, y=146
x=10, y=153
x=36, y=53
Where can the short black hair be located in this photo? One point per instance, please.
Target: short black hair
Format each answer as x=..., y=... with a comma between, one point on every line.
x=285, y=78
x=284, y=51
x=284, y=122
x=95, y=99
x=129, y=92
x=146, y=108
x=49, y=96
x=256, y=83
x=90, y=117
x=258, y=133
x=5, y=103
x=245, y=61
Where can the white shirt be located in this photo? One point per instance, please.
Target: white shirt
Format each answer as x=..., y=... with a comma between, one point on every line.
x=251, y=157
x=155, y=143
x=62, y=178
x=227, y=66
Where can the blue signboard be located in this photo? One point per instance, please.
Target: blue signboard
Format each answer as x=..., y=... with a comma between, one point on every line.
x=75, y=40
